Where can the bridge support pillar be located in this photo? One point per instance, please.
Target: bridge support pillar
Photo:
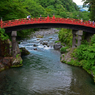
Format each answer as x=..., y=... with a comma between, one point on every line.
x=14, y=43
x=79, y=33
x=77, y=37
x=74, y=39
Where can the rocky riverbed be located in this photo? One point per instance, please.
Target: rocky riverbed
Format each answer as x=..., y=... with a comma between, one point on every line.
x=43, y=32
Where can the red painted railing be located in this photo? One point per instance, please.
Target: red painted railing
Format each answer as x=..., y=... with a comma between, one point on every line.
x=24, y=21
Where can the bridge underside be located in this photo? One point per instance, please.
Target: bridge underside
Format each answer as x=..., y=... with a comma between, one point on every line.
x=77, y=31
x=50, y=25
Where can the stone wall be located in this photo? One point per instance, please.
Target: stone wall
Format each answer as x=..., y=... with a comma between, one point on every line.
x=6, y=58
x=5, y=48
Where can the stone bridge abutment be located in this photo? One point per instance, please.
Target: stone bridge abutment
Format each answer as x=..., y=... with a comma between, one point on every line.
x=77, y=37
x=15, y=47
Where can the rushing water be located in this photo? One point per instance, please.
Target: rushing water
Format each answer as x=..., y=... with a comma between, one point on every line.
x=42, y=73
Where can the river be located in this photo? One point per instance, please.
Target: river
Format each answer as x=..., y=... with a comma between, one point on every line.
x=42, y=73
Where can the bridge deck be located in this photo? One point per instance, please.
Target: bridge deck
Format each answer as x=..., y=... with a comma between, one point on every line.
x=47, y=22
x=43, y=20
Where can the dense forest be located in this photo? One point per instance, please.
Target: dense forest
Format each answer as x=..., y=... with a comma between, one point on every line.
x=16, y=9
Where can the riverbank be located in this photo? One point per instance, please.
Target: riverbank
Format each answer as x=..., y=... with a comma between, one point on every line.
x=69, y=59
x=6, y=59
x=43, y=73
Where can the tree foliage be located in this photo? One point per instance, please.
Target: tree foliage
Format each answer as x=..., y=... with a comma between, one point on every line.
x=12, y=9
x=91, y=5
x=65, y=36
x=86, y=55
x=15, y=9
x=3, y=35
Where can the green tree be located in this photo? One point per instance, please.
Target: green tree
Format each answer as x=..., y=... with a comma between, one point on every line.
x=63, y=14
x=3, y=35
x=65, y=36
x=12, y=9
x=34, y=9
x=91, y=5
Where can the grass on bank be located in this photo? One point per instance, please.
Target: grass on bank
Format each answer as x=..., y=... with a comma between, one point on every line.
x=82, y=56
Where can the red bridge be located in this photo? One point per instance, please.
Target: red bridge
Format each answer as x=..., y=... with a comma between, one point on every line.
x=76, y=25
x=47, y=22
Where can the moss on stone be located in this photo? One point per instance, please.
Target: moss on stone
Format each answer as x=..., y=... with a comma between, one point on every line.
x=19, y=65
x=1, y=69
x=17, y=62
x=39, y=36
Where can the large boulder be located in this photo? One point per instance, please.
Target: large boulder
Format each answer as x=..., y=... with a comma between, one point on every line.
x=57, y=46
x=24, y=51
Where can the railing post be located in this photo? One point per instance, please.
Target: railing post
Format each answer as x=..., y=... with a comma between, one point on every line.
x=1, y=22
x=53, y=16
x=48, y=18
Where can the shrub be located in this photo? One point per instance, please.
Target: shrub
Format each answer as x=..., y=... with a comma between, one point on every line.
x=65, y=36
x=63, y=49
x=3, y=35
x=57, y=41
x=93, y=39
x=86, y=56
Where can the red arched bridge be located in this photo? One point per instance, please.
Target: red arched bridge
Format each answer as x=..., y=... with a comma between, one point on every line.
x=47, y=22
x=76, y=25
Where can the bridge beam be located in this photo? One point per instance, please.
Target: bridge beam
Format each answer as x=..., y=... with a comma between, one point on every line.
x=77, y=37
x=14, y=43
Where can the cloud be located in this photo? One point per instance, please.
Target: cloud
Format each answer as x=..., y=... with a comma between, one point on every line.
x=78, y=2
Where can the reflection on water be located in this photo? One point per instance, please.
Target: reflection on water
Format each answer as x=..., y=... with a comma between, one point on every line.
x=42, y=73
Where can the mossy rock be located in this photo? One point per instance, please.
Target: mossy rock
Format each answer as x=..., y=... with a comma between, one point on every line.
x=39, y=36
x=24, y=51
x=17, y=62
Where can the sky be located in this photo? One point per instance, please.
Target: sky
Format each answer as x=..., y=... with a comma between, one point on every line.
x=78, y=2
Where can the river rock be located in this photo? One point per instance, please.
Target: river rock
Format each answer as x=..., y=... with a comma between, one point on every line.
x=41, y=41
x=47, y=45
x=38, y=39
x=50, y=38
x=24, y=51
x=2, y=67
x=35, y=45
x=35, y=48
x=39, y=36
x=44, y=43
x=17, y=61
x=57, y=46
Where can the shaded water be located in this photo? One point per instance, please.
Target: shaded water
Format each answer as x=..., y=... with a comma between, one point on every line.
x=42, y=73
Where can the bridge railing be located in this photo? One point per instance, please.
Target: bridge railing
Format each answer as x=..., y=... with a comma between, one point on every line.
x=23, y=21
